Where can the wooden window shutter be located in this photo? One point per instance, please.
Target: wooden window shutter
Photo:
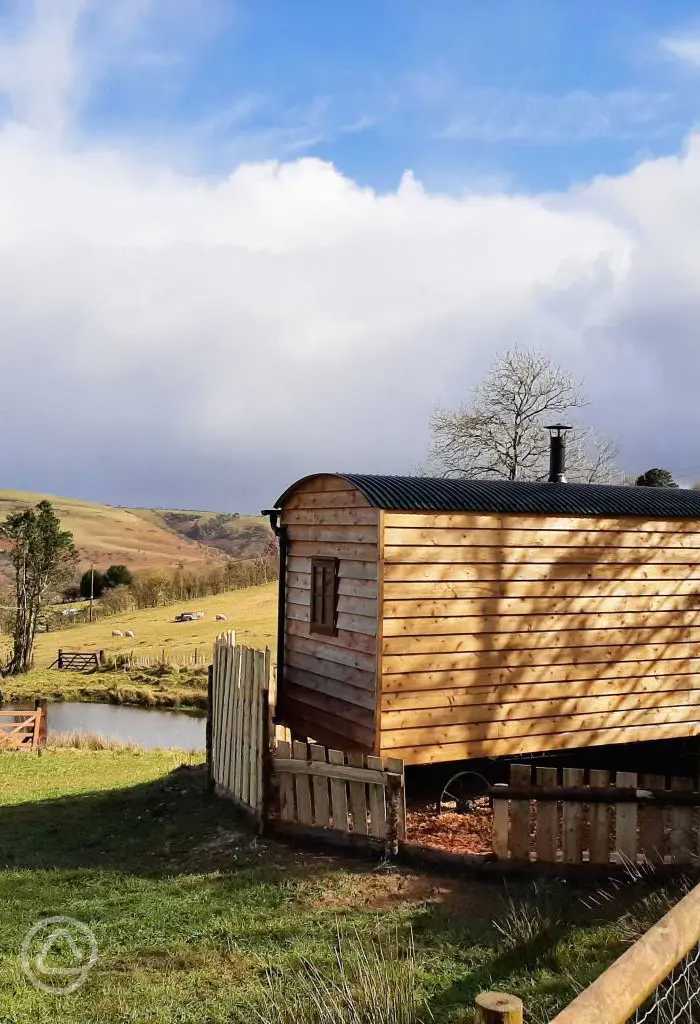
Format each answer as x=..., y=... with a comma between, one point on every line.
x=324, y=592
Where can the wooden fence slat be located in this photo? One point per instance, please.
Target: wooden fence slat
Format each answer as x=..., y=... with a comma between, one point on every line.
x=519, y=832
x=286, y=785
x=398, y=797
x=680, y=842
x=339, y=794
x=233, y=671
x=572, y=824
x=377, y=805
x=302, y=787
x=214, y=712
x=626, y=820
x=322, y=810
x=254, y=750
x=546, y=828
x=652, y=837
x=358, y=798
x=227, y=714
x=599, y=821
x=499, y=839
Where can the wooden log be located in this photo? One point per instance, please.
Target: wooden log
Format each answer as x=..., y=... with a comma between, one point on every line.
x=547, y=822
x=628, y=983
x=498, y=1008
x=599, y=819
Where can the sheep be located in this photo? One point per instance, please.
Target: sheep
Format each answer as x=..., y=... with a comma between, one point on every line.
x=221, y=618
x=117, y=632
x=129, y=633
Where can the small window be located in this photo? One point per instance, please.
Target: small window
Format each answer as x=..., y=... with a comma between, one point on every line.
x=324, y=588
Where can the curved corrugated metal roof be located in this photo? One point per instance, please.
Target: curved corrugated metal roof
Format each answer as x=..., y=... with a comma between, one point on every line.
x=437, y=494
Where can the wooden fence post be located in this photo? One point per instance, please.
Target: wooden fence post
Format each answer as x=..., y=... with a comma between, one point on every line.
x=498, y=1008
x=210, y=716
x=60, y=657
x=41, y=707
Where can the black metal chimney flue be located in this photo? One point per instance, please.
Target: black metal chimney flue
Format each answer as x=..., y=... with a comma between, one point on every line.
x=557, y=452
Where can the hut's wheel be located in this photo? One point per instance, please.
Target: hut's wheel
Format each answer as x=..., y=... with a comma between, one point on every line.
x=460, y=792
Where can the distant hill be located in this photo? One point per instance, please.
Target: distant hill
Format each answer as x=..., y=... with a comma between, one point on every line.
x=236, y=535
x=147, y=538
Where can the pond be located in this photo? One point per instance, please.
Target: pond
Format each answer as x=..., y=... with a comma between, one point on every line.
x=149, y=727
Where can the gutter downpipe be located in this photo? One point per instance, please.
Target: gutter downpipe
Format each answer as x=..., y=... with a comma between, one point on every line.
x=280, y=533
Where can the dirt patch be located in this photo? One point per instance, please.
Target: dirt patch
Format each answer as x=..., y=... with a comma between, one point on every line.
x=451, y=832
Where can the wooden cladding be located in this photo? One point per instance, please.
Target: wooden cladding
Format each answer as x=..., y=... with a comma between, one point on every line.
x=329, y=685
x=324, y=591
x=510, y=634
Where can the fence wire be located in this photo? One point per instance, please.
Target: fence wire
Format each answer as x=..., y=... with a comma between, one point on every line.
x=677, y=999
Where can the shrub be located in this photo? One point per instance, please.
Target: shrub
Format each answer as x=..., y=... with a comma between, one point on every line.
x=92, y=582
x=118, y=576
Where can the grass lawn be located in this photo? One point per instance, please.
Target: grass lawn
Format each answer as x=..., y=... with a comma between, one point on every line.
x=251, y=612
x=190, y=910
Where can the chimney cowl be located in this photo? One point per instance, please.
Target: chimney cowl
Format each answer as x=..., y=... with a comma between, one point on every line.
x=557, y=452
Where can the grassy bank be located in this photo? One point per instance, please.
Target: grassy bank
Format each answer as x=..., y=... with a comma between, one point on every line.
x=251, y=612
x=190, y=911
x=145, y=688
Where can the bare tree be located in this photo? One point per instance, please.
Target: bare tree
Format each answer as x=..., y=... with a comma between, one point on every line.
x=501, y=432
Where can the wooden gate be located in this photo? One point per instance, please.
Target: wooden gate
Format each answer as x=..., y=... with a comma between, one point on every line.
x=238, y=723
x=23, y=730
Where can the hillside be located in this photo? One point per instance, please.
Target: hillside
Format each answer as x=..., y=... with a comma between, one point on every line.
x=106, y=535
x=238, y=536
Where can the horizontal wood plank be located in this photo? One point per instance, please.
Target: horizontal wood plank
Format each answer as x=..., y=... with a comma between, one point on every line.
x=331, y=705
x=319, y=648
x=435, y=571
x=508, y=693
x=480, y=659
x=528, y=539
x=327, y=499
x=330, y=516
x=540, y=590
x=333, y=549
x=568, y=624
x=329, y=669
x=441, y=753
x=591, y=640
x=349, y=640
x=353, y=695
x=569, y=554
x=508, y=521
x=538, y=606
x=450, y=734
x=553, y=710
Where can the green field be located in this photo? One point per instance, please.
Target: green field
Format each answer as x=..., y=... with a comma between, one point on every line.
x=250, y=612
x=190, y=911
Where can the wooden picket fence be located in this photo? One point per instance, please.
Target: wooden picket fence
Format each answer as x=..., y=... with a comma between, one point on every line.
x=597, y=818
x=300, y=787
x=23, y=730
x=350, y=794
x=238, y=724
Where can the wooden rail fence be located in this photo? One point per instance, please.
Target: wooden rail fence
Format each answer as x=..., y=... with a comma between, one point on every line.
x=602, y=818
x=23, y=730
x=293, y=787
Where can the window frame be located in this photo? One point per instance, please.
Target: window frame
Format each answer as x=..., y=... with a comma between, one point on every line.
x=323, y=620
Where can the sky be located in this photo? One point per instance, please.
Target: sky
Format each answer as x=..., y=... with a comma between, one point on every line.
x=245, y=240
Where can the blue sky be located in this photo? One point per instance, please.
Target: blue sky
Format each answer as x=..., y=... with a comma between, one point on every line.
x=536, y=94
x=245, y=241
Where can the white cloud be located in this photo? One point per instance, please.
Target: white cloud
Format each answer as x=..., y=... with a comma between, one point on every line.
x=684, y=46
x=176, y=338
